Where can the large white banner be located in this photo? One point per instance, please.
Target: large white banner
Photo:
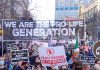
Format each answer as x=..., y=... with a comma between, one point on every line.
x=52, y=55
x=37, y=30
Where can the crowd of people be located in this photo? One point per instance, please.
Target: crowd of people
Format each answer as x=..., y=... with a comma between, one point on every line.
x=34, y=63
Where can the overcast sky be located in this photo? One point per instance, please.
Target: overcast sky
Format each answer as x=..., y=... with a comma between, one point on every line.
x=44, y=9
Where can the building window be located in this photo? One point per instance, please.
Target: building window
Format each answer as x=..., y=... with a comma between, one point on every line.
x=76, y=8
x=57, y=8
x=66, y=8
x=62, y=8
x=86, y=14
x=71, y=8
x=95, y=8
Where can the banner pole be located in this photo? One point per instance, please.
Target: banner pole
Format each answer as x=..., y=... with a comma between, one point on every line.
x=2, y=37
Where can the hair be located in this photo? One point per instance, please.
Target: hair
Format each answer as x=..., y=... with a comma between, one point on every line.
x=23, y=63
x=96, y=60
x=30, y=53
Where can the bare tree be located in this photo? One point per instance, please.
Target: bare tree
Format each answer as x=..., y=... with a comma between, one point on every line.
x=22, y=9
x=14, y=9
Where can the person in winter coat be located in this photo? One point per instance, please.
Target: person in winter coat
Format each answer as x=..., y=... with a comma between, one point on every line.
x=76, y=65
x=38, y=65
x=21, y=66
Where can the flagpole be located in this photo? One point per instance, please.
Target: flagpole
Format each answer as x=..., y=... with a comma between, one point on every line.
x=78, y=36
x=50, y=38
x=2, y=38
x=76, y=47
x=49, y=41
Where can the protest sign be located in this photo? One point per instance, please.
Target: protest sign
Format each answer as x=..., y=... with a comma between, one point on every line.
x=88, y=60
x=52, y=55
x=12, y=46
x=34, y=30
x=19, y=55
x=1, y=62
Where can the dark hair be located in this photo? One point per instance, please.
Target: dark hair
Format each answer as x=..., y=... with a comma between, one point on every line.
x=96, y=60
x=30, y=53
x=20, y=48
x=23, y=63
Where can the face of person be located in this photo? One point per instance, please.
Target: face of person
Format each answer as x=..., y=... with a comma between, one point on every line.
x=98, y=62
x=86, y=67
x=37, y=59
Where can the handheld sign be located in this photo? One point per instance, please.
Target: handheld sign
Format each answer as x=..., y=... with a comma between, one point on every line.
x=11, y=47
x=88, y=60
x=52, y=55
x=19, y=55
x=96, y=50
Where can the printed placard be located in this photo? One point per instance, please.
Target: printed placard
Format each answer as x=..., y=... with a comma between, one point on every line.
x=37, y=30
x=52, y=55
x=19, y=55
x=88, y=60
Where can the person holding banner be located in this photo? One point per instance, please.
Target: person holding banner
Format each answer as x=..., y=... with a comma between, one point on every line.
x=31, y=59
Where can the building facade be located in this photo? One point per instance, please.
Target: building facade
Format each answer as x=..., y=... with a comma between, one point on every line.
x=68, y=8
x=91, y=18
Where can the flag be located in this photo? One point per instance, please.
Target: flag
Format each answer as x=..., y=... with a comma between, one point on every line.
x=50, y=39
x=10, y=67
x=76, y=48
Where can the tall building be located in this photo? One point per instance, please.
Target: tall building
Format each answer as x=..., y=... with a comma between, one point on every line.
x=68, y=8
x=91, y=16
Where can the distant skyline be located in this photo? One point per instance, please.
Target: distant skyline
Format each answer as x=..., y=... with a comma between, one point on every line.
x=45, y=9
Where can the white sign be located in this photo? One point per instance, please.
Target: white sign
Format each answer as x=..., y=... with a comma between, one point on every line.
x=52, y=55
x=27, y=30
x=88, y=60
